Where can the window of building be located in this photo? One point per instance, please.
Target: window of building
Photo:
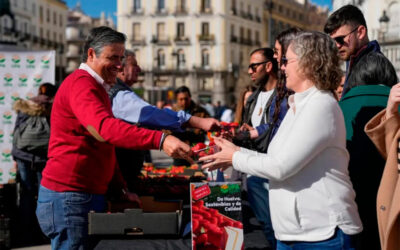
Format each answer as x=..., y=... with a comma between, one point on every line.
x=33, y=30
x=249, y=10
x=232, y=30
x=180, y=30
x=160, y=58
x=205, y=6
x=48, y=15
x=280, y=8
x=249, y=35
x=181, y=58
x=41, y=14
x=55, y=36
x=61, y=20
x=160, y=4
x=25, y=28
x=61, y=38
x=181, y=5
x=136, y=31
x=54, y=18
x=41, y=32
x=161, y=31
x=233, y=4
x=48, y=34
x=137, y=4
x=25, y=5
x=33, y=9
x=205, y=58
x=205, y=28
x=257, y=38
x=241, y=34
x=16, y=3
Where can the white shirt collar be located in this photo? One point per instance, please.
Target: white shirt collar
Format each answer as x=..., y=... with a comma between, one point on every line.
x=296, y=99
x=96, y=76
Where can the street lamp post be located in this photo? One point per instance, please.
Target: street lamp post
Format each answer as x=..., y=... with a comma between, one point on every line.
x=383, y=23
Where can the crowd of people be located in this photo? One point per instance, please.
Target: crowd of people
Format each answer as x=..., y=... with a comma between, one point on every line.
x=316, y=152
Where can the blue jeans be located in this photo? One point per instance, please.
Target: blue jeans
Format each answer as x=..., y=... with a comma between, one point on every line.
x=30, y=178
x=339, y=241
x=258, y=195
x=63, y=217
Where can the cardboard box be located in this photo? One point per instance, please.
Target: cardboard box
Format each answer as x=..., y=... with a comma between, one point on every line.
x=135, y=222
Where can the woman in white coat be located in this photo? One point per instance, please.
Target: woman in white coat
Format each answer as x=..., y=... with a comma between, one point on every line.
x=311, y=196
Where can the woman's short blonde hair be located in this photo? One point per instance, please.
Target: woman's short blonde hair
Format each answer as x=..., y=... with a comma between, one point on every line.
x=318, y=59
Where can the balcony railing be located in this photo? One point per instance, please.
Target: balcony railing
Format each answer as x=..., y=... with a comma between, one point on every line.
x=258, y=19
x=206, y=39
x=137, y=11
x=180, y=11
x=138, y=41
x=206, y=11
x=160, y=40
x=161, y=12
x=182, y=40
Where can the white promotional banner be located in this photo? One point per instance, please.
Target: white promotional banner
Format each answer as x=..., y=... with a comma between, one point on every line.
x=21, y=73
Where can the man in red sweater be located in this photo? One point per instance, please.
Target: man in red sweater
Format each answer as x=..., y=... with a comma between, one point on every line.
x=81, y=149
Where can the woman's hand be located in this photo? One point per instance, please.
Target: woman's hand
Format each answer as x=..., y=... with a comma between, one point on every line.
x=222, y=159
x=246, y=127
x=393, y=102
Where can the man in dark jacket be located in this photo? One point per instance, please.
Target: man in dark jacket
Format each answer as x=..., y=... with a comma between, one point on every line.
x=348, y=28
x=363, y=97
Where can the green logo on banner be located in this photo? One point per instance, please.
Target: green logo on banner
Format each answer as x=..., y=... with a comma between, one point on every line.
x=8, y=80
x=14, y=96
x=31, y=61
x=23, y=80
x=2, y=61
x=1, y=136
x=29, y=95
x=16, y=60
x=6, y=155
x=2, y=97
x=45, y=62
x=7, y=116
x=37, y=79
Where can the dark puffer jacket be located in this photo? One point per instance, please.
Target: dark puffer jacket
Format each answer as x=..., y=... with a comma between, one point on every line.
x=37, y=106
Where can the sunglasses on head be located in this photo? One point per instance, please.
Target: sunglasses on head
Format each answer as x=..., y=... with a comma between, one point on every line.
x=340, y=39
x=254, y=66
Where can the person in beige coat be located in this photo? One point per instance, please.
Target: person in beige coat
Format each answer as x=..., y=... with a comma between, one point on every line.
x=384, y=130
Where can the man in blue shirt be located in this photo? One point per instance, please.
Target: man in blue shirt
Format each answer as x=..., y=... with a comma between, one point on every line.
x=127, y=106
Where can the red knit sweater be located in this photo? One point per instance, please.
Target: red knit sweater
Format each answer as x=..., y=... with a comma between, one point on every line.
x=77, y=161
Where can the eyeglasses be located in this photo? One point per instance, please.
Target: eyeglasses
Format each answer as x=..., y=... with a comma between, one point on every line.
x=254, y=66
x=285, y=61
x=340, y=39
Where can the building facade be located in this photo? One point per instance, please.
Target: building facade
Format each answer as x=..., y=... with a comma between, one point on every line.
x=36, y=25
x=78, y=27
x=280, y=15
x=202, y=44
x=383, y=24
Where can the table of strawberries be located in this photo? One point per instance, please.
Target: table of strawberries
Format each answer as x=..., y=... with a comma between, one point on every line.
x=208, y=212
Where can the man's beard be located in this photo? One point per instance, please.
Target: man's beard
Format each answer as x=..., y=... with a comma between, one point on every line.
x=262, y=81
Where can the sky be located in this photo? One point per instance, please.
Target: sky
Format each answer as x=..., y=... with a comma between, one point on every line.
x=95, y=7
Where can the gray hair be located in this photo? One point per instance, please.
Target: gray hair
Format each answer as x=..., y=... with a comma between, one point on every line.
x=127, y=54
x=318, y=59
x=100, y=37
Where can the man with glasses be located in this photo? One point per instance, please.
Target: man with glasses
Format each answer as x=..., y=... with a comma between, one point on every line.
x=364, y=95
x=348, y=28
